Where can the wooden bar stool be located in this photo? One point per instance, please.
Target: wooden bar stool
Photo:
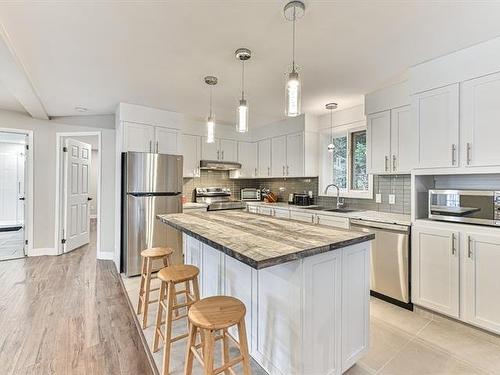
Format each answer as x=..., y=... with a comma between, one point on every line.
x=171, y=277
x=147, y=258
x=211, y=315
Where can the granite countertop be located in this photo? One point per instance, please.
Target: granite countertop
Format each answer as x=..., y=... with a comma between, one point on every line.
x=262, y=241
x=368, y=215
x=190, y=205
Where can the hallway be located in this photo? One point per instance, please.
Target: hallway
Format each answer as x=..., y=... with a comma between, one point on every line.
x=66, y=315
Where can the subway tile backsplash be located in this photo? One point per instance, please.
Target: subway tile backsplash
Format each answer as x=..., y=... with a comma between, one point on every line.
x=399, y=185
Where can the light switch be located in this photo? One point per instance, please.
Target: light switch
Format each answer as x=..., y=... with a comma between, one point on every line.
x=392, y=199
x=378, y=198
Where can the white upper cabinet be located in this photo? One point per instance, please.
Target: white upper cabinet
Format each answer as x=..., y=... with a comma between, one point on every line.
x=481, y=280
x=278, y=156
x=210, y=151
x=379, y=142
x=264, y=150
x=191, y=151
x=404, y=141
x=435, y=269
x=138, y=137
x=228, y=150
x=295, y=155
x=480, y=121
x=247, y=157
x=436, y=114
x=221, y=149
x=166, y=141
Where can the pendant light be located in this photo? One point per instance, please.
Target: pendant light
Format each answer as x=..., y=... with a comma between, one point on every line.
x=293, y=10
x=242, y=54
x=331, y=107
x=211, y=81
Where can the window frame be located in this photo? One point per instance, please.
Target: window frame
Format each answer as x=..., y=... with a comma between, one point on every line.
x=348, y=192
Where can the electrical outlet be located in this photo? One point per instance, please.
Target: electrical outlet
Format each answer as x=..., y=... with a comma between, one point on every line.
x=378, y=198
x=392, y=199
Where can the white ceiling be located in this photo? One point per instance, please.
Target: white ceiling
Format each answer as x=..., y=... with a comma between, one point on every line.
x=96, y=54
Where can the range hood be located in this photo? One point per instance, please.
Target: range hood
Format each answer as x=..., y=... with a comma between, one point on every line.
x=219, y=165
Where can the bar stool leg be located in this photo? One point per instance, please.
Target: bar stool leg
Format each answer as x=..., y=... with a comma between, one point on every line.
x=168, y=328
x=146, y=294
x=188, y=366
x=208, y=353
x=225, y=350
x=159, y=317
x=242, y=334
x=141, y=289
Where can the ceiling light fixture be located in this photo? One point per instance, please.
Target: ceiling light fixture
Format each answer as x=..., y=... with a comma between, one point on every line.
x=293, y=10
x=79, y=108
x=242, y=54
x=331, y=107
x=211, y=81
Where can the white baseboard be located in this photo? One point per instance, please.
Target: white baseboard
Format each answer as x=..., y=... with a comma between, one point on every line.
x=105, y=256
x=42, y=251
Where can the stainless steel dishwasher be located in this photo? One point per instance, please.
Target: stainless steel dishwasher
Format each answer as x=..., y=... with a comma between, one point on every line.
x=390, y=261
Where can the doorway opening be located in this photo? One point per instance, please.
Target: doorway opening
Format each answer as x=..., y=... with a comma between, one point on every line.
x=13, y=179
x=78, y=183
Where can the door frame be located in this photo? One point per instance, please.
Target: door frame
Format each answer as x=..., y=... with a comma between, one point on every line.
x=60, y=188
x=28, y=188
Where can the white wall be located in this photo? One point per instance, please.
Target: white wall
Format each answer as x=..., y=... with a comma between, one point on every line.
x=44, y=170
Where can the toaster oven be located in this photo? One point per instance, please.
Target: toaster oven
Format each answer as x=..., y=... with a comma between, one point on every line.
x=250, y=194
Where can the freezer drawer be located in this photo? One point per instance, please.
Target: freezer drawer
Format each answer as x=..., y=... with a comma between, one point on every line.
x=144, y=230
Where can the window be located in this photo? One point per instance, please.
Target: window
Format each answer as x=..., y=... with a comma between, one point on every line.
x=346, y=165
x=359, y=177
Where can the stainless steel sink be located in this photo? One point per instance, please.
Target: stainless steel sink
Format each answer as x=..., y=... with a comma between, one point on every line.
x=345, y=210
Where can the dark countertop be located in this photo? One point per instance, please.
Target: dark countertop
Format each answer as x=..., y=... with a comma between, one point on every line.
x=262, y=241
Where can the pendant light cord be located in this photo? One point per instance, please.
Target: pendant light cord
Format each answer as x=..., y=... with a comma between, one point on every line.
x=293, y=39
x=331, y=126
x=210, y=101
x=243, y=80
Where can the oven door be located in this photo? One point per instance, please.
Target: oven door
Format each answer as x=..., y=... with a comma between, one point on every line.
x=466, y=206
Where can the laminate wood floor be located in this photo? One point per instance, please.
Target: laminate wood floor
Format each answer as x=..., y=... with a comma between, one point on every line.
x=66, y=315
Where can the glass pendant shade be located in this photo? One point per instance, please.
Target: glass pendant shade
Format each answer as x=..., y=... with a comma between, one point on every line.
x=242, y=125
x=292, y=93
x=211, y=130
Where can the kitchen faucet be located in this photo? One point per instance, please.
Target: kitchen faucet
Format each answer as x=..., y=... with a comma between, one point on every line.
x=340, y=204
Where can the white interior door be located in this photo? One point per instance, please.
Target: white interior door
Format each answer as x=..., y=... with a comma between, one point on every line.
x=76, y=194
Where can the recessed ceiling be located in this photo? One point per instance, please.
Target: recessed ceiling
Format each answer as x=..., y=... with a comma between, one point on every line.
x=96, y=54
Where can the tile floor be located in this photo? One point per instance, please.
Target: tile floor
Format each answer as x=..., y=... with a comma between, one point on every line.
x=402, y=343
x=12, y=244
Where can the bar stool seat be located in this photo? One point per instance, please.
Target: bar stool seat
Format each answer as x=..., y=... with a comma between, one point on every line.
x=147, y=258
x=178, y=273
x=208, y=317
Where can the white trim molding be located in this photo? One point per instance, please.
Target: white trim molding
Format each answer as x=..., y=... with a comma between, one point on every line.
x=41, y=251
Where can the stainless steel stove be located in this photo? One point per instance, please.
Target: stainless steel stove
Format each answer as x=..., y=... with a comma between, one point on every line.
x=218, y=198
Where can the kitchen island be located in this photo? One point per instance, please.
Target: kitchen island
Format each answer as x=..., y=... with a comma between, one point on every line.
x=306, y=287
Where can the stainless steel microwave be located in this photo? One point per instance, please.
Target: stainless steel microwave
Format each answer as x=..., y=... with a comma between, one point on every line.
x=465, y=206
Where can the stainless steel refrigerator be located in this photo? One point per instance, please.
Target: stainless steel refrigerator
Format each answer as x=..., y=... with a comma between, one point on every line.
x=151, y=185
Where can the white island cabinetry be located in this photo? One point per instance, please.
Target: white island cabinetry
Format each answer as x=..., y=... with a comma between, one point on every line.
x=307, y=316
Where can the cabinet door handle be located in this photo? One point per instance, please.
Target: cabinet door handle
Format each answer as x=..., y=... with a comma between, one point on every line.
x=453, y=248
x=150, y=146
x=255, y=172
x=287, y=170
x=453, y=149
x=156, y=146
x=312, y=219
x=386, y=162
x=283, y=170
x=268, y=171
x=468, y=148
x=317, y=219
x=218, y=155
x=394, y=163
x=222, y=153
x=469, y=247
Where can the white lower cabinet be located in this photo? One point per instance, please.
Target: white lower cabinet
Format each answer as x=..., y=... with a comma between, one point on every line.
x=456, y=272
x=333, y=221
x=481, y=254
x=282, y=213
x=265, y=211
x=253, y=209
x=302, y=216
x=212, y=264
x=435, y=269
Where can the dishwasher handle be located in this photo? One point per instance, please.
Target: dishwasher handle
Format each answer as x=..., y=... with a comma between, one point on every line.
x=376, y=225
